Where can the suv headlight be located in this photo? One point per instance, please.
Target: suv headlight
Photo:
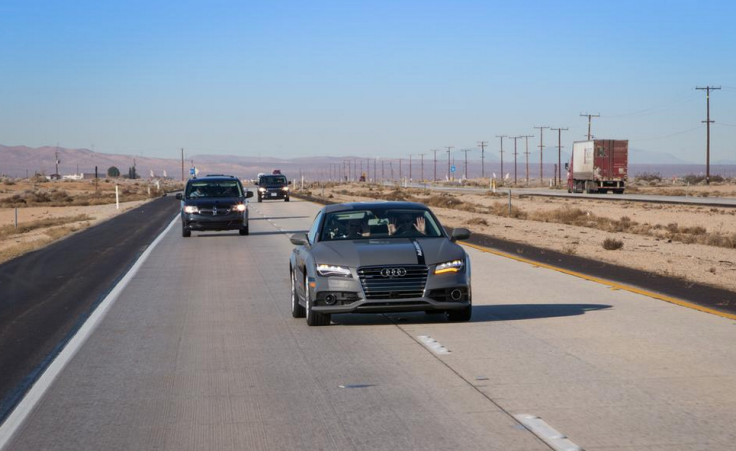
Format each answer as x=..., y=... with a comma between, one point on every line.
x=332, y=270
x=240, y=207
x=285, y=188
x=191, y=209
x=263, y=190
x=446, y=267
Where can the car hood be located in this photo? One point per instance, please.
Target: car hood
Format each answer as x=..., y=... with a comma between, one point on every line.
x=209, y=202
x=393, y=251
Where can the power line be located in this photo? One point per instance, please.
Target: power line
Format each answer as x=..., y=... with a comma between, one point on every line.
x=707, y=121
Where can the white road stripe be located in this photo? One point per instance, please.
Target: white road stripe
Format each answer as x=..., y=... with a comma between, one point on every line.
x=14, y=422
x=547, y=433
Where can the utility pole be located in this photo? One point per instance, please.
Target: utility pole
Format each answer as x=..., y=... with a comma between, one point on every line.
x=590, y=117
x=410, y=167
x=421, y=165
x=559, y=154
x=526, y=153
x=707, y=121
x=502, y=137
x=541, y=149
x=435, y=165
x=449, y=149
x=57, y=160
x=515, y=154
x=400, y=176
x=383, y=173
x=482, y=145
x=466, y=161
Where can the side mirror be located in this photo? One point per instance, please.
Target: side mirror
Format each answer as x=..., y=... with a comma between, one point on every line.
x=289, y=182
x=179, y=196
x=567, y=166
x=248, y=194
x=299, y=239
x=459, y=233
x=255, y=183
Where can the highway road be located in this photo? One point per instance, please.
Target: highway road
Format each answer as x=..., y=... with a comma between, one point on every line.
x=199, y=351
x=725, y=202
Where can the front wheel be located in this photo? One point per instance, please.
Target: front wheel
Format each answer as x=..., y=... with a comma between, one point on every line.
x=185, y=232
x=286, y=199
x=260, y=199
x=313, y=318
x=460, y=316
x=244, y=231
x=297, y=310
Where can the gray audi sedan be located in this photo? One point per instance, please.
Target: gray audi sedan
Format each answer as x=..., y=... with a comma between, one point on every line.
x=379, y=257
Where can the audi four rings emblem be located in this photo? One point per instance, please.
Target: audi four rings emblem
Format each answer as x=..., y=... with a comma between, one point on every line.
x=393, y=272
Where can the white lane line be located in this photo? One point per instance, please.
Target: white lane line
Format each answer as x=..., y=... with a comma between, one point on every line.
x=433, y=344
x=550, y=436
x=15, y=421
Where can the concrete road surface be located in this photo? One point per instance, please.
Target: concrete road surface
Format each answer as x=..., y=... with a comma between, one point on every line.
x=200, y=352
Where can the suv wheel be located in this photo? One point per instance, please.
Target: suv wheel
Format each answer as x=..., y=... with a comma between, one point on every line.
x=184, y=232
x=297, y=310
x=313, y=318
x=260, y=199
x=286, y=199
x=244, y=231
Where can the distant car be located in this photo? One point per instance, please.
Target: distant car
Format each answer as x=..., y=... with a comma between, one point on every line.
x=273, y=186
x=216, y=202
x=379, y=257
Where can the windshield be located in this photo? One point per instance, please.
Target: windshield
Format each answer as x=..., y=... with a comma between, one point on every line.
x=213, y=188
x=273, y=180
x=379, y=223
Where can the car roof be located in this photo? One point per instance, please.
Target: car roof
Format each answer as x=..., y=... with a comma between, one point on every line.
x=213, y=178
x=369, y=205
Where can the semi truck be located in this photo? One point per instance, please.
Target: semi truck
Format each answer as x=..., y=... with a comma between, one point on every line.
x=598, y=165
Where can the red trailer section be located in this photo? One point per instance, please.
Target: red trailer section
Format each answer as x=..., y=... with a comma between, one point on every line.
x=598, y=165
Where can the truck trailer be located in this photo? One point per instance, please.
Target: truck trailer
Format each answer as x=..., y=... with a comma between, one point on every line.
x=598, y=165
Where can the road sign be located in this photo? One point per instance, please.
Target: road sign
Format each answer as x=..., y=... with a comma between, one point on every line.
x=452, y=168
x=191, y=171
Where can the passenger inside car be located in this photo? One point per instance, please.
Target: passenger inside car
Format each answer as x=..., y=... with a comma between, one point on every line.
x=406, y=224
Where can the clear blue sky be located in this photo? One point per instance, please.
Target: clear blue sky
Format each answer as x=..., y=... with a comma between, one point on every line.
x=363, y=78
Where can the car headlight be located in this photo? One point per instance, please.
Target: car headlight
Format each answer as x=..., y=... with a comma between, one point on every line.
x=240, y=207
x=332, y=270
x=285, y=188
x=263, y=190
x=453, y=266
x=191, y=209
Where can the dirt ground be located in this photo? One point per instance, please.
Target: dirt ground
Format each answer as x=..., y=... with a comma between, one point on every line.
x=652, y=251
x=51, y=210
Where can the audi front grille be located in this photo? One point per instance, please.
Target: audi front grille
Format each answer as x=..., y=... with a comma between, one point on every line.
x=393, y=282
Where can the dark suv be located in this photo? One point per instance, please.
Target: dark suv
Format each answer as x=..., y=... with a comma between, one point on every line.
x=214, y=202
x=273, y=186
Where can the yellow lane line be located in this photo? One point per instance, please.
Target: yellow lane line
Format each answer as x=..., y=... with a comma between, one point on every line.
x=610, y=284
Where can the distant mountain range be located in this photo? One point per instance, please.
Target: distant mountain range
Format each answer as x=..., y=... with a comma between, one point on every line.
x=17, y=161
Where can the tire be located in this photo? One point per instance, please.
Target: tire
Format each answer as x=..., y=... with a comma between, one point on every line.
x=260, y=199
x=297, y=310
x=184, y=232
x=313, y=318
x=460, y=316
x=286, y=199
x=244, y=231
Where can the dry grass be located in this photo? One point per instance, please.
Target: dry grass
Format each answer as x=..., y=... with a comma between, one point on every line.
x=612, y=244
x=25, y=227
x=49, y=236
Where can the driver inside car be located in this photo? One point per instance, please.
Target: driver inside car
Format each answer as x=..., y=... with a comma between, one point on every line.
x=357, y=228
x=406, y=224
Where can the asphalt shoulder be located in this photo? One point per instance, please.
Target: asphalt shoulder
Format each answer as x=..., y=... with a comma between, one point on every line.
x=46, y=295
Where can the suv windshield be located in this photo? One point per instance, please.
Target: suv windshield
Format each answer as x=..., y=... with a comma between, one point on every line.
x=379, y=223
x=272, y=180
x=213, y=188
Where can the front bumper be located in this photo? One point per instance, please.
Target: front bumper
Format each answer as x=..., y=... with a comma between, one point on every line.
x=349, y=296
x=231, y=221
x=273, y=194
